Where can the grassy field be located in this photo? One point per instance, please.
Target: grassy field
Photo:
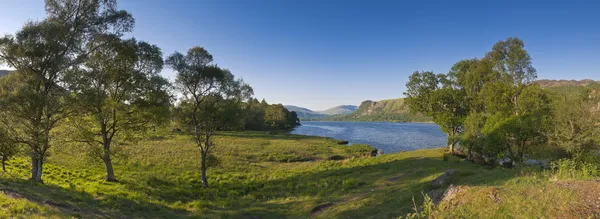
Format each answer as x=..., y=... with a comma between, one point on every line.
x=257, y=175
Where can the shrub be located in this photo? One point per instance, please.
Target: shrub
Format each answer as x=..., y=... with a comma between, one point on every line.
x=570, y=169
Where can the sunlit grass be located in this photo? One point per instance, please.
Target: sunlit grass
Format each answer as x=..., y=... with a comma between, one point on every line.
x=257, y=175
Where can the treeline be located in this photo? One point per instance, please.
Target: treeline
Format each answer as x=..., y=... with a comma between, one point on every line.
x=77, y=80
x=262, y=116
x=252, y=115
x=491, y=108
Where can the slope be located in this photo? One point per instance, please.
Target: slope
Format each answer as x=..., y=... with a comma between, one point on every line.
x=394, y=110
x=340, y=110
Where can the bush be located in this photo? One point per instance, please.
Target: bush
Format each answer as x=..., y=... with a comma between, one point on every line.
x=570, y=169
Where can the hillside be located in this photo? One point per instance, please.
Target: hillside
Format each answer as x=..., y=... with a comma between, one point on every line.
x=307, y=114
x=545, y=83
x=340, y=110
x=304, y=113
x=394, y=110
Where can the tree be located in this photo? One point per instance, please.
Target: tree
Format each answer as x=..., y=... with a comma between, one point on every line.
x=435, y=96
x=207, y=92
x=575, y=120
x=119, y=94
x=515, y=134
x=8, y=147
x=42, y=52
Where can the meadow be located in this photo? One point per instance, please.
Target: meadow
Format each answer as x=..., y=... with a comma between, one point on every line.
x=262, y=175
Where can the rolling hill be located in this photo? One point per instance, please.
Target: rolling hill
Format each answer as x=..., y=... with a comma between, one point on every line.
x=394, y=110
x=304, y=113
x=307, y=114
x=340, y=110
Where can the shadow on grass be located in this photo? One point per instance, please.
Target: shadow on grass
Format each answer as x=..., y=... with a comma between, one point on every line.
x=393, y=183
x=82, y=204
x=282, y=135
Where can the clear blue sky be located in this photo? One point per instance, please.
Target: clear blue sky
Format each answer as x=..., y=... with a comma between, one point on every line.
x=323, y=53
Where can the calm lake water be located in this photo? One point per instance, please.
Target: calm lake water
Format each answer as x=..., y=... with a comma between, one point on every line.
x=391, y=137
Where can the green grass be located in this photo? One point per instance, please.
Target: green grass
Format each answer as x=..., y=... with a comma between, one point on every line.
x=257, y=175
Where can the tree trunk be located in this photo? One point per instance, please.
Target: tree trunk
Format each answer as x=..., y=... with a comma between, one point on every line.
x=470, y=155
x=110, y=173
x=36, y=167
x=203, y=170
x=451, y=148
x=4, y=163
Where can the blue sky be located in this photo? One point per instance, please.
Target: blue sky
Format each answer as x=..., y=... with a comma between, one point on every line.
x=319, y=54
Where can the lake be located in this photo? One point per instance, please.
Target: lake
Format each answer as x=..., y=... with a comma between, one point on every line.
x=388, y=136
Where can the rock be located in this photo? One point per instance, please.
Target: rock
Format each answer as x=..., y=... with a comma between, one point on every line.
x=452, y=191
x=506, y=162
x=540, y=163
x=443, y=179
x=342, y=142
x=445, y=195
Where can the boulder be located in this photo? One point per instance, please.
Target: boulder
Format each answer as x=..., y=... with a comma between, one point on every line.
x=540, y=163
x=445, y=195
x=443, y=179
x=505, y=162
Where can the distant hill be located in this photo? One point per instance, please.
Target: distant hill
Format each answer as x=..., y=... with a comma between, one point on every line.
x=307, y=114
x=545, y=83
x=4, y=72
x=394, y=110
x=304, y=113
x=340, y=110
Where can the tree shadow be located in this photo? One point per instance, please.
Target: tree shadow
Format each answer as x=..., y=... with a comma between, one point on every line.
x=279, y=135
x=82, y=204
x=379, y=182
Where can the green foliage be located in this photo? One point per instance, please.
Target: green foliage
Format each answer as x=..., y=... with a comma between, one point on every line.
x=425, y=211
x=42, y=52
x=211, y=99
x=118, y=96
x=8, y=146
x=575, y=120
x=262, y=116
x=489, y=104
x=565, y=169
x=436, y=97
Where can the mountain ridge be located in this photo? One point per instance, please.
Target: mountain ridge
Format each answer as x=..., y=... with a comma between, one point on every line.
x=305, y=113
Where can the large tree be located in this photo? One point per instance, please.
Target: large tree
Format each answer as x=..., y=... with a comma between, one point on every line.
x=436, y=96
x=119, y=94
x=209, y=96
x=42, y=51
